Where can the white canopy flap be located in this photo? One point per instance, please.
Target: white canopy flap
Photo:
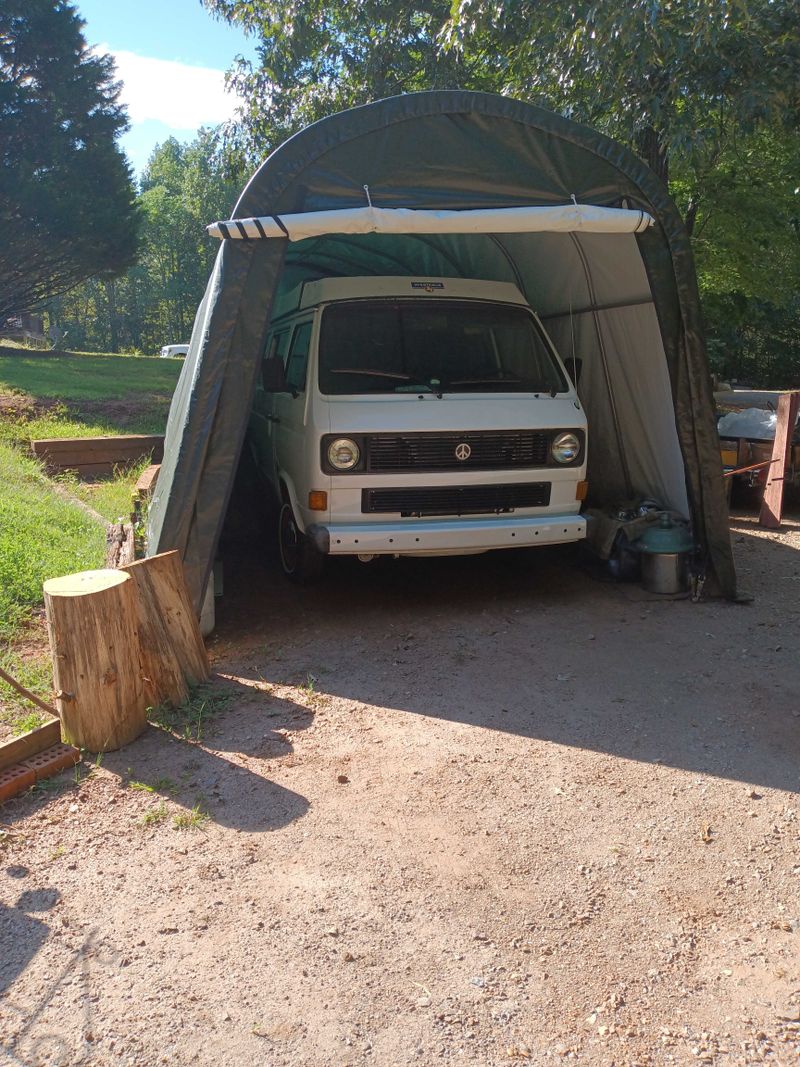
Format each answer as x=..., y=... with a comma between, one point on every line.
x=563, y=218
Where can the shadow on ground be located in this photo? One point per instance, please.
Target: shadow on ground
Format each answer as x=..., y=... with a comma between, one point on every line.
x=528, y=642
x=22, y=934
x=196, y=774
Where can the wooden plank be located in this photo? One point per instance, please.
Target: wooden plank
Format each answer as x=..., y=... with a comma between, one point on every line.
x=172, y=651
x=29, y=744
x=772, y=505
x=147, y=481
x=97, y=455
x=116, y=442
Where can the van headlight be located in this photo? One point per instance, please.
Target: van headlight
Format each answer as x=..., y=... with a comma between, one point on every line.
x=343, y=454
x=565, y=448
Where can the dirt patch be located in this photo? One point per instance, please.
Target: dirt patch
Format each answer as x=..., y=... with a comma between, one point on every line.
x=121, y=414
x=482, y=811
x=22, y=406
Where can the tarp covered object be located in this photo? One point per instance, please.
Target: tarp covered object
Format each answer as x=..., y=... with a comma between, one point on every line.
x=627, y=304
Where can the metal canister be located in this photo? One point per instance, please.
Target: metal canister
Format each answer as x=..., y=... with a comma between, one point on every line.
x=665, y=549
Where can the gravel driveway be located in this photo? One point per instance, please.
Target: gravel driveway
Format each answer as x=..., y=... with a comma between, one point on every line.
x=482, y=811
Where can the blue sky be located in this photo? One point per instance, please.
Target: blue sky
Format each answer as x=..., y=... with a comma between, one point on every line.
x=171, y=57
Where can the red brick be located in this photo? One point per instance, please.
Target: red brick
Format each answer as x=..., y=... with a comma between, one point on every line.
x=51, y=761
x=15, y=780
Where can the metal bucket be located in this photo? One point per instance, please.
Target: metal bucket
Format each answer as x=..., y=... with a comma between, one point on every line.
x=665, y=572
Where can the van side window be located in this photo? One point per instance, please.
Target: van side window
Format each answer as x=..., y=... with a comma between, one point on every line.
x=277, y=347
x=298, y=357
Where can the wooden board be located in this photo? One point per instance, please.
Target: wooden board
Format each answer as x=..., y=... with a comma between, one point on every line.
x=97, y=455
x=147, y=481
x=772, y=505
x=29, y=744
x=173, y=655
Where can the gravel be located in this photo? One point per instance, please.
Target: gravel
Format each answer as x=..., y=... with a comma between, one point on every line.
x=482, y=811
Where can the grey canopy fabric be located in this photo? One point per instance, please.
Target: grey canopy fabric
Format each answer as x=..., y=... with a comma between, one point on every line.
x=626, y=304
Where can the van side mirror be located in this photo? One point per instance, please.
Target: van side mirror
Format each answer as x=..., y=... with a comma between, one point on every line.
x=575, y=366
x=273, y=375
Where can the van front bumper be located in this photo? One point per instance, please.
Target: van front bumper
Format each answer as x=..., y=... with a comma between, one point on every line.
x=383, y=538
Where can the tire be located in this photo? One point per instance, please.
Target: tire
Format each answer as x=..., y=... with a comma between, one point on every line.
x=301, y=561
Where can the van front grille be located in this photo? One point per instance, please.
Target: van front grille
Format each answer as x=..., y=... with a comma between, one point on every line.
x=486, y=450
x=455, y=499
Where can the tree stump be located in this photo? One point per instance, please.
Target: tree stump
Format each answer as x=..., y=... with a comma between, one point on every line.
x=173, y=655
x=92, y=626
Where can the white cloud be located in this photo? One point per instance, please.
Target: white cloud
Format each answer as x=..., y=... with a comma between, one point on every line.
x=181, y=96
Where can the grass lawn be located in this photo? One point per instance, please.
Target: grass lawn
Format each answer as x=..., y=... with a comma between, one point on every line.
x=41, y=535
x=83, y=395
x=44, y=533
x=95, y=377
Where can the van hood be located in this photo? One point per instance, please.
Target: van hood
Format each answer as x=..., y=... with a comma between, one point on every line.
x=455, y=411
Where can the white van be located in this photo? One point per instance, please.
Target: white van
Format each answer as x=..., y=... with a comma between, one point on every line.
x=170, y=351
x=403, y=416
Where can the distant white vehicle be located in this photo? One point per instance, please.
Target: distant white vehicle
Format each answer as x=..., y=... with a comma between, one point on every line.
x=168, y=351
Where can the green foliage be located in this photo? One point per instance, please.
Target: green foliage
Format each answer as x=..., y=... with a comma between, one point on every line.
x=673, y=78
x=707, y=93
x=41, y=535
x=194, y=819
x=67, y=209
x=190, y=720
x=33, y=670
x=183, y=188
x=155, y=815
x=23, y=724
x=317, y=58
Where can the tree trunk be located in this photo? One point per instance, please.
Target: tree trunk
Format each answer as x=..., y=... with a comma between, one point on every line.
x=111, y=297
x=172, y=650
x=653, y=152
x=91, y=623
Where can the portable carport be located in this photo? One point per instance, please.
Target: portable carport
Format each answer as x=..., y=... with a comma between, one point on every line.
x=625, y=303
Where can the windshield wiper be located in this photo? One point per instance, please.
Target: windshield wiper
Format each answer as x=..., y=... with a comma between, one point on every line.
x=371, y=373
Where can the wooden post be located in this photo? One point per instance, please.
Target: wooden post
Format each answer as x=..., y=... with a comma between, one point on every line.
x=772, y=505
x=91, y=623
x=172, y=651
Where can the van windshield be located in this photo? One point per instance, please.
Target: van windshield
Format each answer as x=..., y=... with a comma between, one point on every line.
x=406, y=346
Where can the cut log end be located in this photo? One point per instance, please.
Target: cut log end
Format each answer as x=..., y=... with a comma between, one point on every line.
x=85, y=583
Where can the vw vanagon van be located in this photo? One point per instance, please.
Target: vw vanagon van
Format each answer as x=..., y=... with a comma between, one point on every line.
x=403, y=416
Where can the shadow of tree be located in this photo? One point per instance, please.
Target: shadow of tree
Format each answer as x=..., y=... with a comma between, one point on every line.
x=22, y=935
x=196, y=774
x=524, y=642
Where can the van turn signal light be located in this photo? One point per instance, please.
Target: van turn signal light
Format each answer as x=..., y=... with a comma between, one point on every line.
x=581, y=490
x=318, y=500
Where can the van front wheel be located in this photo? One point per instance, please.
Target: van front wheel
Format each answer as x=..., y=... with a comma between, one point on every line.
x=302, y=562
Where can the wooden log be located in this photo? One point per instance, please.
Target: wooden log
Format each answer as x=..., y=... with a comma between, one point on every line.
x=772, y=504
x=173, y=654
x=120, y=544
x=91, y=623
